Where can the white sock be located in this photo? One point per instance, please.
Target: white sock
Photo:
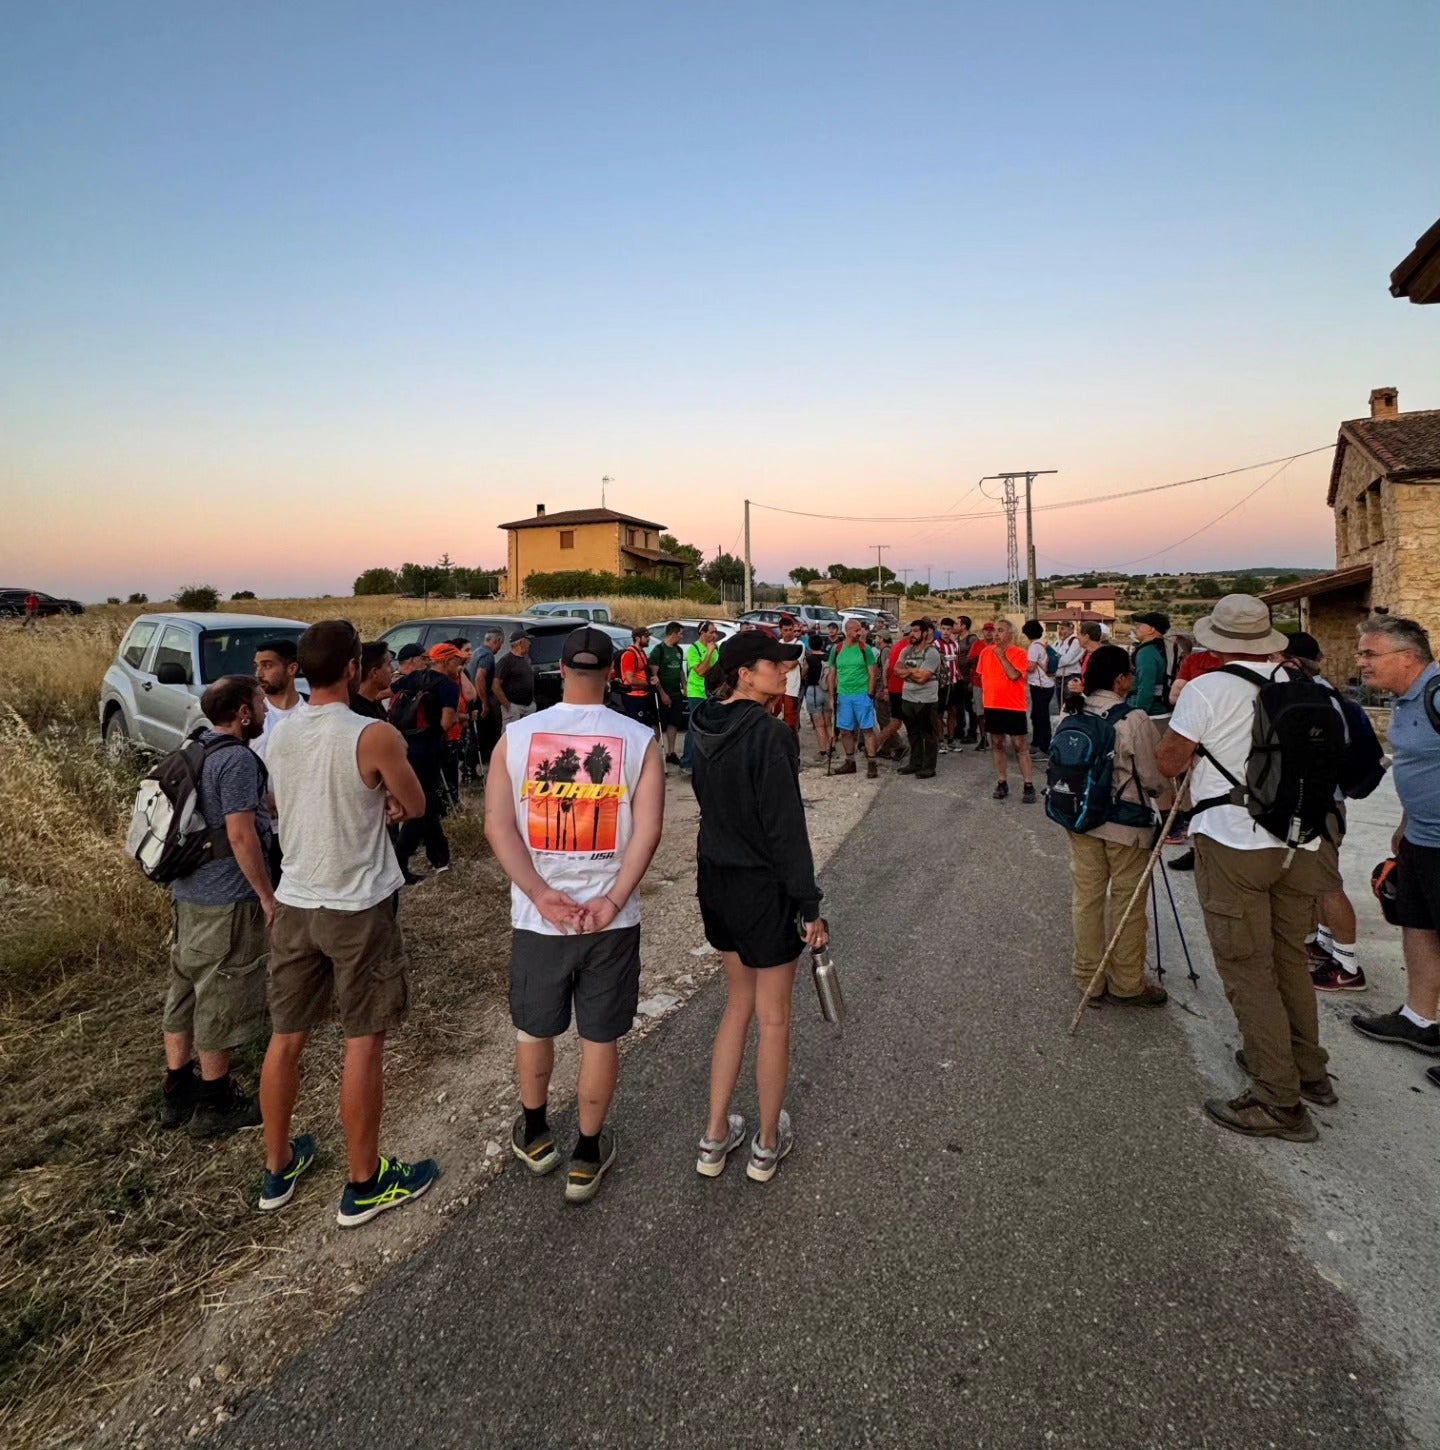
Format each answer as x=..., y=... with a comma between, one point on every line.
x=1344, y=954
x=1324, y=938
x=1310, y=940
x=1415, y=1017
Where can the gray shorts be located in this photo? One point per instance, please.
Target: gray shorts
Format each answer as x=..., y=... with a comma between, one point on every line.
x=217, y=975
x=599, y=972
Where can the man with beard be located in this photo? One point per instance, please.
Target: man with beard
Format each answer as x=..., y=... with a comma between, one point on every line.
x=215, y=1001
x=276, y=666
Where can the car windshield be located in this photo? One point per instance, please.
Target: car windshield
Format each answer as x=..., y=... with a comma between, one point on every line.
x=545, y=648
x=232, y=651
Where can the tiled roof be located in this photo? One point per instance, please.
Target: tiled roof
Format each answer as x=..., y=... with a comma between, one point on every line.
x=1404, y=448
x=1074, y=616
x=1105, y=592
x=568, y=518
x=1317, y=584
x=653, y=555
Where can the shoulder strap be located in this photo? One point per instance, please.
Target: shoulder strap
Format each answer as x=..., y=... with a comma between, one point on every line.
x=1241, y=672
x=1432, y=703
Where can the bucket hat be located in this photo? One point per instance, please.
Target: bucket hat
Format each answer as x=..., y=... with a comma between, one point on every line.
x=1239, y=624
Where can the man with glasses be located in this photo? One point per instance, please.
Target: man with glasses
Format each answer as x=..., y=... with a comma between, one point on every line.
x=701, y=665
x=1395, y=656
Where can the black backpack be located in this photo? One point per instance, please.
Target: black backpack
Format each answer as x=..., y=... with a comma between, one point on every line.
x=1364, y=759
x=417, y=710
x=1080, y=775
x=1297, y=759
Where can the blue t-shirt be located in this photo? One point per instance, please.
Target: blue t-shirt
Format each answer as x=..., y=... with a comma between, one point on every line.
x=1415, y=749
x=231, y=782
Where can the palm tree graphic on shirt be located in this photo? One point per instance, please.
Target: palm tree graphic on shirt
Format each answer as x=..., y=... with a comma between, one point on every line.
x=565, y=768
x=597, y=767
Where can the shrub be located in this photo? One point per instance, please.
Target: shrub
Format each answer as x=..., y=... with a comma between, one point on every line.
x=113, y=599
x=638, y=586
x=377, y=581
x=197, y=598
x=571, y=583
x=138, y=598
x=248, y=594
x=701, y=592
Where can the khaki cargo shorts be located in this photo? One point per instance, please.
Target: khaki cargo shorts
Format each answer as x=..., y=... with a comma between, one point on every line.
x=216, y=988
x=354, y=958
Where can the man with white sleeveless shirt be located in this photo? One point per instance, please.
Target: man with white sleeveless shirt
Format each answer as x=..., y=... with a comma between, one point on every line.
x=340, y=779
x=574, y=808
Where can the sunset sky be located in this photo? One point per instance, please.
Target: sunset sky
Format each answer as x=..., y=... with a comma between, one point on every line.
x=290, y=290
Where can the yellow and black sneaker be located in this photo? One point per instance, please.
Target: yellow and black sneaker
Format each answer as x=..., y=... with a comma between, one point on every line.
x=394, y=1185
x=540, y=1156
x=582, y=1182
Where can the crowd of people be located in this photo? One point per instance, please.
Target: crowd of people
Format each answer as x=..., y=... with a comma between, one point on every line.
x=295, y=912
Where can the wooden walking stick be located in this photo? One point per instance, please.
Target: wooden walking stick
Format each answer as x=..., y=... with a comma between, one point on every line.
x=1136, y=895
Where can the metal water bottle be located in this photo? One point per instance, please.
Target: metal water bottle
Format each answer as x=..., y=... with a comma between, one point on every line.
x=827, y=987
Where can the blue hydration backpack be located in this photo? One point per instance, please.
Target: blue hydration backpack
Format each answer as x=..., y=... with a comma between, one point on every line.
x=1079, y=779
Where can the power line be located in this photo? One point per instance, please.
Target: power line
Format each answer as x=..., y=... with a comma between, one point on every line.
x=946, y=518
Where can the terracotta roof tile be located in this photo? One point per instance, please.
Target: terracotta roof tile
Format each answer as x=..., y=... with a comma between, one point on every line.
x=1406, y=447
x=567, y=518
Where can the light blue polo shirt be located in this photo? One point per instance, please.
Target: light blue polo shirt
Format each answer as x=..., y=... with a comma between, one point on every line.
x=1415, y=747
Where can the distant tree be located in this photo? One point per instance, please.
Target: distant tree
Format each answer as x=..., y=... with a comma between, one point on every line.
x=113, y=599
x=1087, y=581
x=1280, y=580
x=377, y=581
x=701, y=592
x=1207, y=588
x=724, y=569
x=669, y=544
x=197, y=598
x=803, y=576
x=243, y=594
x=138, y=598
x=420, y=579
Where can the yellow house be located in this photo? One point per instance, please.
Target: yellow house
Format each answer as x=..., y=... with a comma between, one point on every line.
x=596, y=539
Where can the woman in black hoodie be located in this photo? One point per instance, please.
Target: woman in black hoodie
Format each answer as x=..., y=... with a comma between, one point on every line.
x=756, y=877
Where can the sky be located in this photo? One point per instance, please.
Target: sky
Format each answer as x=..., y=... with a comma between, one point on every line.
x=292, y=290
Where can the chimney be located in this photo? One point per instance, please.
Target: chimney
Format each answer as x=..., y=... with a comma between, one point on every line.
x=1385, y=402
x=540, y=507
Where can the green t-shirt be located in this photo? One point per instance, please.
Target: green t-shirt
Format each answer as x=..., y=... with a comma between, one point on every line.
x=695, y=655
x=669, y=663
x=851, y=663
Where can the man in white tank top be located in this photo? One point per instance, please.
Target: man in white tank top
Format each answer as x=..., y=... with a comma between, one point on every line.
x=574, y=808
x=339, y=779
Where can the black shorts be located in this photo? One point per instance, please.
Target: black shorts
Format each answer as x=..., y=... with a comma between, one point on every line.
x=750, y=914
x=672, y=716
x=1417, y=887
x=897, y=706
x=599, y=972
x=1006, y=722
x=639, y=707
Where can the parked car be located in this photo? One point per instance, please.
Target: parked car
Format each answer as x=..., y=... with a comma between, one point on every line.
x=12, y=604
x=547, y=636
x=587, y=609
x=149, y=694
x=809, y=616
x=690, y=629
x=869, y=617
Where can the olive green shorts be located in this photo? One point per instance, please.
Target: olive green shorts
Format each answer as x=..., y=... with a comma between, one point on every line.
x=217, y=975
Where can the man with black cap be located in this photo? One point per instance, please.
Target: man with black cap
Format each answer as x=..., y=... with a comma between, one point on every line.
x=574, y=807
x=1151, y=692
x=637, y=691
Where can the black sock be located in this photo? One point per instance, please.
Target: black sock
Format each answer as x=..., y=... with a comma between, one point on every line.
x=535, y=1122
x=587, y=1148
x=217, y=1092
x=177, y=1077
x=369, y=1185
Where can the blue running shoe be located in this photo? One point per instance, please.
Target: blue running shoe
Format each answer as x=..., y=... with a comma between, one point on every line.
x=396, y=1184
x=277, y=1189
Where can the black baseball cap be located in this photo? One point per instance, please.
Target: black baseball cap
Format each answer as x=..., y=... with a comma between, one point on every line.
x=588, y=649
x=742, y=650
x=1304, y=646
x=409, y=652
x=1155, y=620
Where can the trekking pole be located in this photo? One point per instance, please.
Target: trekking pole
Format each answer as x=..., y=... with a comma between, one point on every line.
x=1184, y=945
x=1135, y=896
x=834, y=731
x=1155, y=914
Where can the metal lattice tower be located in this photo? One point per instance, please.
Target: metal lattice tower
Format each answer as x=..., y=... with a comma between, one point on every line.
x=1012, y=549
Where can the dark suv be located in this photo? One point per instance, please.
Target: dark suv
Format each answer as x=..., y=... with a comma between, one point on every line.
x=547, y=637
x=12, y=604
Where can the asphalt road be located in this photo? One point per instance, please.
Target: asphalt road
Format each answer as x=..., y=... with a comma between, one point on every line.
x=988, y=1235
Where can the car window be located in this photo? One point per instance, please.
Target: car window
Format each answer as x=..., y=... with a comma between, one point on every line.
x=402, y=635
x=545, y=648
x=137, y=642
x=174, y=649
x=232, y=651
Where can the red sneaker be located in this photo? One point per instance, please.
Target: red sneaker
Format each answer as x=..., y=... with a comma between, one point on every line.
x=1335, y=978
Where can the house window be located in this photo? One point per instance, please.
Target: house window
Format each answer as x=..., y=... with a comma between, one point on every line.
x=630, y=538
x=567, y=538
x=1374, y=513
x=1345, y=543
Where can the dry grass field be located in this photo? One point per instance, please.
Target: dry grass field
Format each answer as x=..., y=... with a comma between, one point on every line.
x=111, y=1231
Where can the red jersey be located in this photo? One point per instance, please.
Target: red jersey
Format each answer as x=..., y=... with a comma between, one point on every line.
x=893, y=683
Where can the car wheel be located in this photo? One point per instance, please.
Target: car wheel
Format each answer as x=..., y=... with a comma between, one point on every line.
x=116, y=735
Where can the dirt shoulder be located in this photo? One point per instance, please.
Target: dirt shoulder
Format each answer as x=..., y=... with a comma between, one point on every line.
x=452, y=1097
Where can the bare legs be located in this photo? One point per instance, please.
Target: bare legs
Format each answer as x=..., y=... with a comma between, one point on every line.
x=1422, y=972
x=599, y=1072
x=180, y=1048
x=362, y=1099
x=764, y=995
x=1021, y=747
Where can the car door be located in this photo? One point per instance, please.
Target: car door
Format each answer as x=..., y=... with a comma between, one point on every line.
x=169, y=705
x=401, y=635
x=132, y=660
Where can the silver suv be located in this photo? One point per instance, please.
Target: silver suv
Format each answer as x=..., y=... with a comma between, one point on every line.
x=150, y=693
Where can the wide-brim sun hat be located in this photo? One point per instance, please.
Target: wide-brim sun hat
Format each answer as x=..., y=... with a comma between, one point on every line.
x=1239, y=625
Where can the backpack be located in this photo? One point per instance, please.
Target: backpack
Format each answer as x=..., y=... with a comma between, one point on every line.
x=168, y=836
x=1052, y=661
x=1364, y=766
x=1297, y=759
x=1080, y=775
x=416, y=713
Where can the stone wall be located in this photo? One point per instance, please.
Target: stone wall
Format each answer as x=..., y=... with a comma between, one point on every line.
x=1412, y=583
x=1332, y=619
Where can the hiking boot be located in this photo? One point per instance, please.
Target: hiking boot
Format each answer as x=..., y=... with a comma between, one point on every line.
x=177, y=1103
x=912, y=769
x=1335, y=978
x=1027, y=796
x=1185, y=861
x=583, y=1180
x=277, y=1189
x=1392, y=1027
x=395, y=1184
x=715, y=1152
x=215, y=1120
x=1249, y=1116
x=1002, y=789
x=764, y=1161
x=1151, y=994
x=539, y=1155
x=872, y=769
x=1316, y=957
x=1320, y=1091
x=848, y=768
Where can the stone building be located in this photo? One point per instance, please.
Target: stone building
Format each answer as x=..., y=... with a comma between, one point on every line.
x=1385, y=493
x=1080, y=604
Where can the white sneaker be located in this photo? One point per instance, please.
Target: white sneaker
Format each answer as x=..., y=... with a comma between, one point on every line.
x=714, y=1153
x=764, y=1161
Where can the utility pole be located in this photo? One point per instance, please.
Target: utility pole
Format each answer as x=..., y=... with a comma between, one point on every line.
x=905, y=572
x=606, y=480
x=949, y=574
x=749, y=592
x=1012, y=552
x=927, y=581
x=879, y=567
